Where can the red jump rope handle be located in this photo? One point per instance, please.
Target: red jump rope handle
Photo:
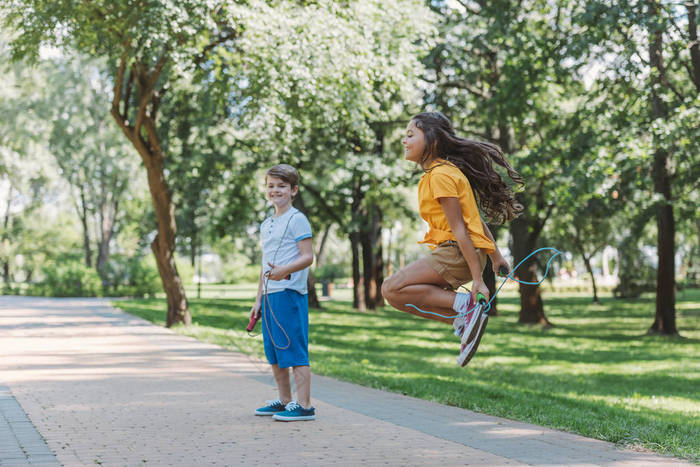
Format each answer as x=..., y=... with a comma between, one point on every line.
x=252, y=322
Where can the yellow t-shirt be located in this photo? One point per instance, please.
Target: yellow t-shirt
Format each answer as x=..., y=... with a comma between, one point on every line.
x=445, y=180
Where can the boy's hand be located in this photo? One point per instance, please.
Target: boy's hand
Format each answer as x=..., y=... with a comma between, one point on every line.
x=255, y=310
x=276, y=273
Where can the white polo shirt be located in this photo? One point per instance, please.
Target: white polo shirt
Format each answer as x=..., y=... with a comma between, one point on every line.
x=279, y=237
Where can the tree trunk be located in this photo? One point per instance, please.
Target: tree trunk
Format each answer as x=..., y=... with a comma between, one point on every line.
x=83, y=213
x=322, y=246
x=358, y=300
x=379, y=271
x=372, y=263
x=525, y=232
x=163, y=246
x=358, y=295
x=108, y=213
x=489, y=276
x=665, y=318
x=144, y=137
x=587, y=262
x=311, y=287
x=490, y=281
x=5, y=236
x=691, y=8
x=6, y=273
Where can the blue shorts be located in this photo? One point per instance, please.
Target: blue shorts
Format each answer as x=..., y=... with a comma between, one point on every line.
x=285, y=328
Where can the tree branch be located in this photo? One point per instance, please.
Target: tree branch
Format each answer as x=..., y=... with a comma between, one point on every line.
x=127, y=97
x=121, y=121
x=673, y=21
x=147, y=88
x=469, y=8
x=691, y=8
x=319, y=197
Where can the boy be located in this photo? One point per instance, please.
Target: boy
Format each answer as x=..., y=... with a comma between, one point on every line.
x=282, y=300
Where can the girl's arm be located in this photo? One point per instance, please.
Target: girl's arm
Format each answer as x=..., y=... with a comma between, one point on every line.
x=306, y=257
x=497, y=259
x=453, y=213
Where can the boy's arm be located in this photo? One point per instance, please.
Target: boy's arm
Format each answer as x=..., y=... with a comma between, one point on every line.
x=305, y=259
x=497, y=259
x=453, y=213
x=255, y=310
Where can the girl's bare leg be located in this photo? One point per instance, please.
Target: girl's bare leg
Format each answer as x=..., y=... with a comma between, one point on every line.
x=419, y=284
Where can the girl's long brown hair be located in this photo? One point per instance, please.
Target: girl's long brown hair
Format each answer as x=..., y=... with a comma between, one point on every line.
x=475, y=159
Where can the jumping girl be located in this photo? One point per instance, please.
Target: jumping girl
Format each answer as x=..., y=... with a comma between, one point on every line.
x=459, y=176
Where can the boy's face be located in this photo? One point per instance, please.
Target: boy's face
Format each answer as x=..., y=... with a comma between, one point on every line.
x=413, y=142
x=279, y=192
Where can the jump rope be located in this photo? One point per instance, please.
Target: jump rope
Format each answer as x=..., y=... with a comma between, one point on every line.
x=266, y=300
x=481, y=302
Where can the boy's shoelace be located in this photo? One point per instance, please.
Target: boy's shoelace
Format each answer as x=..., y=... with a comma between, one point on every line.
x=292, y=406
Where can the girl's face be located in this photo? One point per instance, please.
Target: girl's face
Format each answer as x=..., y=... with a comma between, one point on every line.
x=413, y=142
x=279, y=192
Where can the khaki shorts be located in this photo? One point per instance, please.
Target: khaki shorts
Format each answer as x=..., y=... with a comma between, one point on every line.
x=448, y=261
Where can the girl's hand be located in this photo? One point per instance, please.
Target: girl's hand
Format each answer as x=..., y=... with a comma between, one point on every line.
x=276, y=273
x=478, y=286
x=255, y=310
x=498, y=262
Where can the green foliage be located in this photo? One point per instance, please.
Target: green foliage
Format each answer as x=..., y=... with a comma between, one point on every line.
x=237, y=272
x=68, y=279
x=131, y=276
x=330, y=272
x=326, y=105
x=238, y=268
x=186, y=271
x=595, y=373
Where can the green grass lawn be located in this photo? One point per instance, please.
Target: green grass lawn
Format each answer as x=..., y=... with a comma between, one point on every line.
x=595, y=373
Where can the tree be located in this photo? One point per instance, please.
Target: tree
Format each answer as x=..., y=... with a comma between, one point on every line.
x=93, y=157
x=324, y=106
x=153, y=47
x=25, y=166
x=498, y=72
x=656, y=60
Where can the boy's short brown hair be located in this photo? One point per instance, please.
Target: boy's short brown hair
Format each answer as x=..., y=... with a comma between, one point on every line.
x=284, y=172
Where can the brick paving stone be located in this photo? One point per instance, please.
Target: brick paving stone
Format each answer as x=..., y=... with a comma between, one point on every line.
x=103, y=387
x=20, y=442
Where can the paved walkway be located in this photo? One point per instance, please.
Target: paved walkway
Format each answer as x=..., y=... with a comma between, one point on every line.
x=102, y=387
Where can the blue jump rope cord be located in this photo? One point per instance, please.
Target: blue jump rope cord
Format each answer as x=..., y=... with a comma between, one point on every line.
x=487, y=307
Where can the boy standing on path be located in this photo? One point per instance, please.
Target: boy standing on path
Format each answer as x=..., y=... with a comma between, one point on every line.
x=282, y=300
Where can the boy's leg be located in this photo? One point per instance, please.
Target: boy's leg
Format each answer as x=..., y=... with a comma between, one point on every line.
x=283, y=383
x=419, y=284
x=302, y=381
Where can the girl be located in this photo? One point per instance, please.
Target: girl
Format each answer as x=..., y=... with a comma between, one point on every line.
x=459, y=174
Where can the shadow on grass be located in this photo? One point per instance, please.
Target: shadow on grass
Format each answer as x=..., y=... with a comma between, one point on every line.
x=595, y=373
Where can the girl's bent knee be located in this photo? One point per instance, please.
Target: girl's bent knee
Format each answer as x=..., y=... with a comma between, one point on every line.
x=388, y=289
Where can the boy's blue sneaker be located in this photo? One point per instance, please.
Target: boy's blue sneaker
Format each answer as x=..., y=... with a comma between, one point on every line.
x=271, y=408
x=293, y=412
